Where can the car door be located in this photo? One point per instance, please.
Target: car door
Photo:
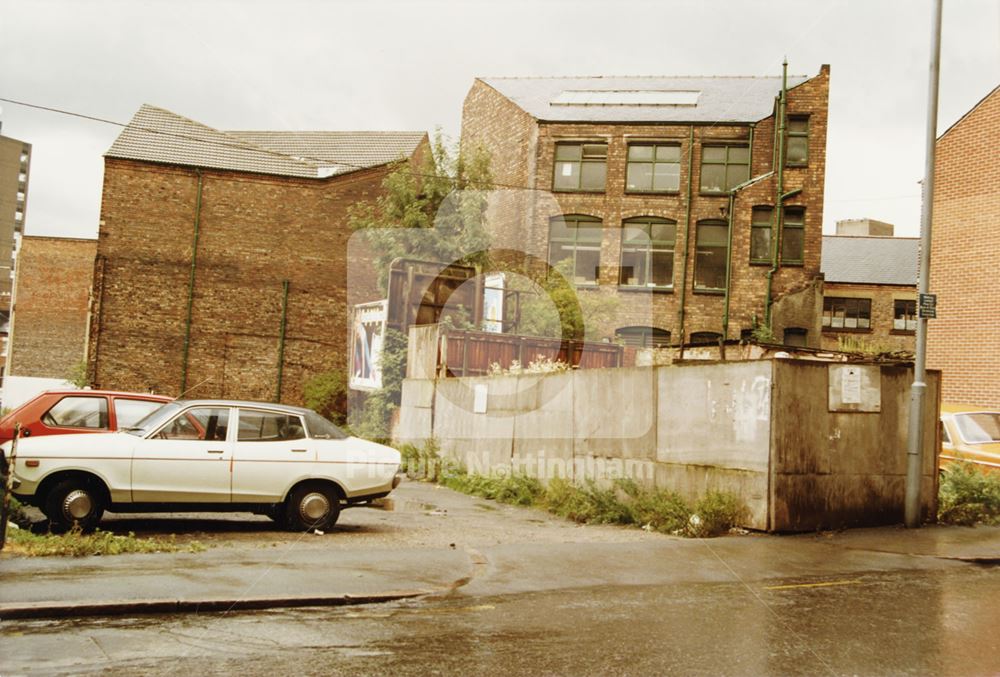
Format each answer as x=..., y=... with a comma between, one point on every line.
x=186, y=460
x=272, y=452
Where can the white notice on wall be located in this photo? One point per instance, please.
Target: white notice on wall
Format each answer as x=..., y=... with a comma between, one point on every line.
x=850, y=386
x=479, y=399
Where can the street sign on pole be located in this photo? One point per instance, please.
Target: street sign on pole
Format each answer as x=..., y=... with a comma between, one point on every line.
x=927, y=306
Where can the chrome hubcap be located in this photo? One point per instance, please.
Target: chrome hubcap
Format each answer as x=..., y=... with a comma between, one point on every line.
x=314, y=507
x=77, y=504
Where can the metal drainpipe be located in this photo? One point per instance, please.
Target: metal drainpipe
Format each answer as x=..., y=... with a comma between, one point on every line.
x=777, y=217
x=729, y=244
x=687, y=242
x=281, y=338
x=190, y=299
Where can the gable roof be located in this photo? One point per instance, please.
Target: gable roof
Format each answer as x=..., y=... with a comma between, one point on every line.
x=158, y=135
x=956, y=123
x=643, y=98
x=870, y=260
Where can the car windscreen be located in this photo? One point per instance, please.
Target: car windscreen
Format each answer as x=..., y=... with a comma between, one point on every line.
x=980, y=428
x=320, y=428
x=154, y=420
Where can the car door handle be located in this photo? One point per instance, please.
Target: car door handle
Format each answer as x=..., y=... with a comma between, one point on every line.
x=299, y=451
x=216, y=451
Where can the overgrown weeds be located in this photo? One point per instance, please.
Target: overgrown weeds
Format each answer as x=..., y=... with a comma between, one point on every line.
x=75, y=543
x=968, y=496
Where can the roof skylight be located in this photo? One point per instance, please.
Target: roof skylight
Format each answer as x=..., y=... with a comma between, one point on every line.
x=626, y=97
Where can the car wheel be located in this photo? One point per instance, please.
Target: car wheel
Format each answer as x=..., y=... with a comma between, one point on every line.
x=312, y=506
x=74, y=502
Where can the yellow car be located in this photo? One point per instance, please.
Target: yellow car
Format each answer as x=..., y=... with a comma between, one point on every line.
x=970, y=433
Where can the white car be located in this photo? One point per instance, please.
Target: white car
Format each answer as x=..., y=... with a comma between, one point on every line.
x=286, y=462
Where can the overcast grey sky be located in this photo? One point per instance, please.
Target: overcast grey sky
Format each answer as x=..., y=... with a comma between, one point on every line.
x=382, y=64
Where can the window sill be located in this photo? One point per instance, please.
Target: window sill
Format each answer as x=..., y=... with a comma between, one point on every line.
x=709, y=291
x=703, y=193
x=796, y=165
x=793, y=264
x=759, y=263
x=578, y=191
x=636, y=288
x=845, y=330
x=645, y=193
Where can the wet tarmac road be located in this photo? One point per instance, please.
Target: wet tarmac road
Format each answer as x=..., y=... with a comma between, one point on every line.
x=918, y=622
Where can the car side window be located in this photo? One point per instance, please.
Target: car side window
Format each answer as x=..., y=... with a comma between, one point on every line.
x=200, y=423
x=945, y=437
x=264, y=426
x=78, y=412
x=129, y=412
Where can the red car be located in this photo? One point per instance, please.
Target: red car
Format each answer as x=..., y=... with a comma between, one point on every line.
x=57, y=412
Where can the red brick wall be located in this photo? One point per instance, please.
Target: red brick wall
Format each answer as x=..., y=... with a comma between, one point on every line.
x=523, y=150
x=255, y=232
x=964, y=341
x=50, y=313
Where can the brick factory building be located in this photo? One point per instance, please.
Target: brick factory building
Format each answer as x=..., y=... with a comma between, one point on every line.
x=667, y=192
x=869, y=289
x=964, y=341
x=52, y=295
x=221, y=257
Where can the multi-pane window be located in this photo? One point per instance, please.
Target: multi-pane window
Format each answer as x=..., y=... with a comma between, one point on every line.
x=647, y=252
x=843, y=313
x=760, y=235
x=723, y=167
x=711, y=252
x=575, y=247
x=653, y=168
x=643, y=337
x=580, y=166
x=904, y=314
x=797, y=142
x=793, y=230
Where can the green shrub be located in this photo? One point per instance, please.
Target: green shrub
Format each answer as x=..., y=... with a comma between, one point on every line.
x=967, y=496
x=326, y=394
x=624, y=502
x=715, y=513
x=513, y=489
x=656, y=509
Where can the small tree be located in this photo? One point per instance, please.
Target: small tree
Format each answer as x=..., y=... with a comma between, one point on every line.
x=326, y=394
x=434, y=211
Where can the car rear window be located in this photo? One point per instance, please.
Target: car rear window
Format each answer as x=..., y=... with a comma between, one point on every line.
x=981, y=428
x=320, y=428
x=78, y=412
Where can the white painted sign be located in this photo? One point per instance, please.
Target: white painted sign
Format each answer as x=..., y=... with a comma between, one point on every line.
x=479, y=399
x=850, y=386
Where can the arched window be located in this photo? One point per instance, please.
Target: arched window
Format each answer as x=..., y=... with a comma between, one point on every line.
x=575, y=247
x=643, y=337
x=647, y=252
x=711, y=253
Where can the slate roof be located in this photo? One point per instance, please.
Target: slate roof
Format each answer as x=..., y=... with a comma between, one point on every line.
x=721, y=99
x=158, y=135
x=870, y=260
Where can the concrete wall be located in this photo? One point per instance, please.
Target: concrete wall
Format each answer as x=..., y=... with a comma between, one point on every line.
x=763, y=430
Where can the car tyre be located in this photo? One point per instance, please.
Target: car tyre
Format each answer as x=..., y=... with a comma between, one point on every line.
x=312, y=506
x=74, y=502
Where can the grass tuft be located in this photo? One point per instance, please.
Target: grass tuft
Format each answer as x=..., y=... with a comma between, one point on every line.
x=74, y=543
